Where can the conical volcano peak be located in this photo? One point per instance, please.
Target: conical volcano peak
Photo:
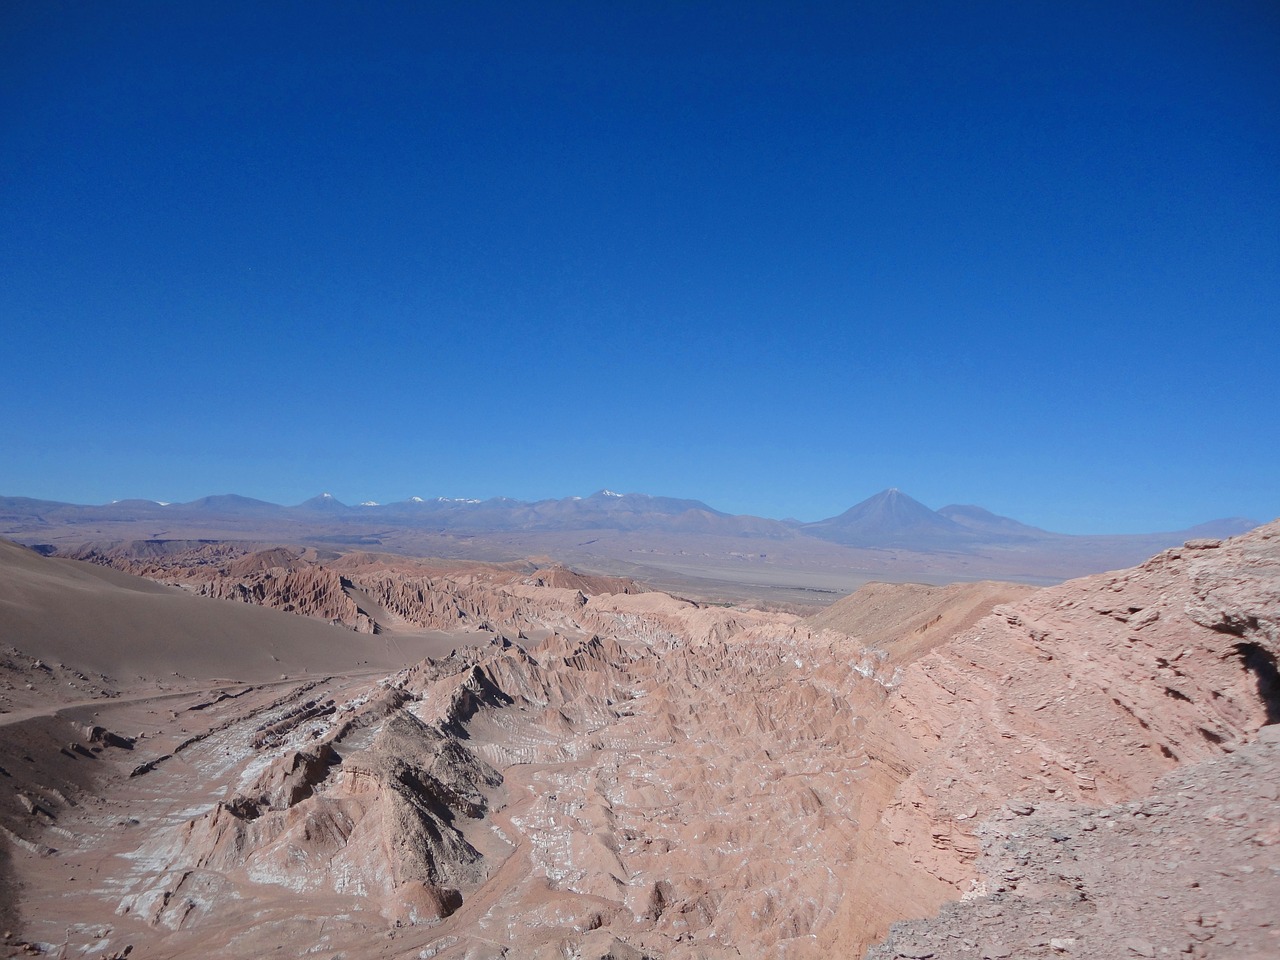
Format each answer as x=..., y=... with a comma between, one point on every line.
x=892, y=499
x=891, y=518
x=323, y=501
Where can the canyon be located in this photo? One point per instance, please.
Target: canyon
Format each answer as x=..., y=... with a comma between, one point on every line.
x=228, y=747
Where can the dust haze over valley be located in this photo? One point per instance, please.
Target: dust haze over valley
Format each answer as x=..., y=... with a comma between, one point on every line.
x=459, y=265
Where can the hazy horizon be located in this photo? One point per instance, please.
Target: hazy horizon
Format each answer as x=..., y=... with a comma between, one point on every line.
x=365, y=502
x=773, y=258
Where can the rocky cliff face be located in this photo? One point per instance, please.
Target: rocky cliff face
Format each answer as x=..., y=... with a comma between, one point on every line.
x=1189, y=870
x=309, y=590
x=279, y=577
x=1084, y=693
x=364, y=592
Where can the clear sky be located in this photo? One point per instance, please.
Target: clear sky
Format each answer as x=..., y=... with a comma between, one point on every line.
x=775, y=256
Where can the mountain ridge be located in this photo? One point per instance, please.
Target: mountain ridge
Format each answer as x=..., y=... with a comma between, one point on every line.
x=889, y=535
x=891, y=518
x=888, y=518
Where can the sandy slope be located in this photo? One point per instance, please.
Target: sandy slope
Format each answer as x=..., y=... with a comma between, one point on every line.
x=98, y=621
x=907, y=619
x=101, y=671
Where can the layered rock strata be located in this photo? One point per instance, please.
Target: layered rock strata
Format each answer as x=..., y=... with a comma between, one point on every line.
x=1084, y=693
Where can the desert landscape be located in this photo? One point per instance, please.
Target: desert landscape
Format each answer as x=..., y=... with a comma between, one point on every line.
x=224, y=749
x=689, y=480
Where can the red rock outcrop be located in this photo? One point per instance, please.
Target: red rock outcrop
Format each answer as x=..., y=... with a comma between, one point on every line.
x=1186, y=871
x=1086, y=692
x=309, y=590
x=364, y=592
x=281, y=578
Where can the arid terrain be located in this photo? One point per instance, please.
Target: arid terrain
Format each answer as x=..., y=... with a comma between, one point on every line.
x=639, y=481
x=236, y=749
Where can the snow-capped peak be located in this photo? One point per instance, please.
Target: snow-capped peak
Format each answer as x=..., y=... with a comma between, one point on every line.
x=610, y=493
x=369, y=503
x=326, y=496
x=416, y=500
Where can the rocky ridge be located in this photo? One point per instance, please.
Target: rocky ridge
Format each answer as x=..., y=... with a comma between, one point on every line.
x=1190, y=870
x=908, y=619
x=1086, y=693
x=364, y=592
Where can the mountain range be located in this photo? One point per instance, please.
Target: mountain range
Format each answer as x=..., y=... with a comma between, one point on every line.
x=888, y=520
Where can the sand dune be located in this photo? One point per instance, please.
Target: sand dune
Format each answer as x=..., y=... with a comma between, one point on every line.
x=100, y=621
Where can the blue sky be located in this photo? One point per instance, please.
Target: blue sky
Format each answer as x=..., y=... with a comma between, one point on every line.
x=773, y=256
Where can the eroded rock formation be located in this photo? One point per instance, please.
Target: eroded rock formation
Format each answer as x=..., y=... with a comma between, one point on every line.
x=632, y=774
x=364, y=592
x=1083, y=693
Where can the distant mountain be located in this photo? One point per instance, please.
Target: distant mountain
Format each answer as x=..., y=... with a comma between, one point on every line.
x=30, y=507
x=1221, y=529
x=26, y=508
x=991, y=525
x=324, y=503
x=630, y=511
x=893, y=519
x=227, y=503
x=602, y=510
x=962, y=537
